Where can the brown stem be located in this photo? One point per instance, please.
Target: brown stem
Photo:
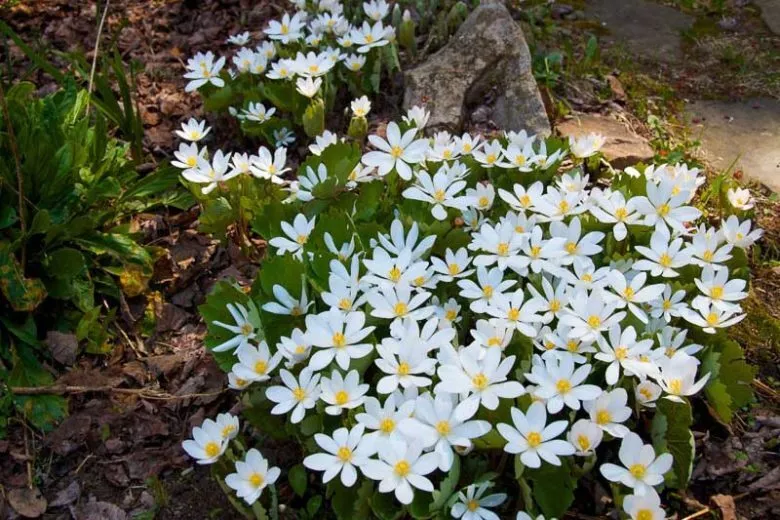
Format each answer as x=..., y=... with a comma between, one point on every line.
x=69, y=389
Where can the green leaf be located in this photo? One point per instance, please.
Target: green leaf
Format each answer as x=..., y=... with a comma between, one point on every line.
x=385, y=506
x=24, y=294
x=671, y=432
x=552, y=488
x=736, y=374
x=313, y=505
x=447, y=487
x=351, y=503
x=42, y=411
x=298, y=479
x=65, y=263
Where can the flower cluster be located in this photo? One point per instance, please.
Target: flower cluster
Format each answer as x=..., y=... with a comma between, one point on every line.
x=502, y=303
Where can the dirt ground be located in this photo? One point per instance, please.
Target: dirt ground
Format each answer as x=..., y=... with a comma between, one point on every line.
x=118, y=454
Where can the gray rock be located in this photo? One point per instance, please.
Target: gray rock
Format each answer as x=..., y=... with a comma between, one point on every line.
x=746, y=134
x=489, y=50
x=622, y=147
x=770, y=12
x=646, y=28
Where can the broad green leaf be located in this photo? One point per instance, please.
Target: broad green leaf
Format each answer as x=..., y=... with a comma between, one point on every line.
x=66, y=263
x=552, y=488
x=671, y=432
x=42, y=411
x=298, y=479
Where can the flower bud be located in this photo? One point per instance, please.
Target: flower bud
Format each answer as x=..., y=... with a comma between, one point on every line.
x=314, y=118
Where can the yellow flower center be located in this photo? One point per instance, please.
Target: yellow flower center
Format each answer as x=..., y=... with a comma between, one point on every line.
x=555, y=305
x=563, y=206
x=261, y=367
x=716, y=293
x=400, y=309
x=675, y=386
x=339, y=340
x=536, y=251
x=669, y=351
x=396, y=152
x=712, y=319
x=549, y=345
x=513, y=314
x=402, y=468
x=621, y=352
x=665, y=260
x=443, y=427
x=483, y=201
x=241, y=382
x=403, y=369
x=667, y=305
x=663, y=210
x=369, y=39
x=534, y=439
x=285, y=29
x=525, y=200
x=638, y=471
x=247, y=329
x=192, y=161
x=571, y=248
x=345, y=304
x=494, y=342
x=256, y=480
x=584, y=442
x=628, y=293
x=647, y=394
x=271, y=169
x=453, y=269
x=314, y=68
x=447, y=153
x=211, y=449
x=519, y=229
x=394, y=274
x=467, y=147
x=603, y=417
x=344, y=454
x=342, y=397
x=296, y=311
x=594, y=321
x=451, y=314
x=519, y=160
x=587, y=278
x=302, y=239
x=572, y=345
x=563, y=386
x=299, y=394
x=419, y=281
x=708, y=256
x=387, y=425
x=621, y=213
x=227, y=430
x=502, y=249
x=487, y=291
x=472, y=505
x=491, y=158
x=644, y=514
x=300, y=349
x=480, y=381
x=439, y=195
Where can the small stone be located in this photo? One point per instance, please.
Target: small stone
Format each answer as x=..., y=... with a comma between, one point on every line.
x=488, y=52
x=622, y=147
x=770, y=12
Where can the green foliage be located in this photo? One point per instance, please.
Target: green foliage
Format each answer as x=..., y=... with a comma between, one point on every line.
x=671, y=432
x=552, y=488
x=729, y=387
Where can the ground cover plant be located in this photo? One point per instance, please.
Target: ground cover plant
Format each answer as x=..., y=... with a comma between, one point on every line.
x=431, y=307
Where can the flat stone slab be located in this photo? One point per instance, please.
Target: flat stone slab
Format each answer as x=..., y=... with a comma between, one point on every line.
x=622, y=148
x=646, y=28
x=770, y=12
x=746, y=131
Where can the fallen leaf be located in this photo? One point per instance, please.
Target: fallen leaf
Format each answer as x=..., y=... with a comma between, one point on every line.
x=63, y=346
x=726, y=505
x=29, y=503
x=99, y=511
x=67, y=496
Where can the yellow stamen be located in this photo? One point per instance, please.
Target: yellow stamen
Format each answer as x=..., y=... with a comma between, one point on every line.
x=256, y=480
x=534, y=439
x=480, y=381
x=342, y=397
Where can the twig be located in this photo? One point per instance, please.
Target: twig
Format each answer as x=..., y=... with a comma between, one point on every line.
x=69, y=389
x=699, y=513
x=17, y=161
x=27, y=460
x=95, y=53
x=82, y=463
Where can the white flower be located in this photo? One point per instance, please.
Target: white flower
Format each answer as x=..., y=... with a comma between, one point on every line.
x=621, y=350
x=576, y=245
x=267, y=166
x=585, y=436
x=385, y=419
x=211, y=173
x=664, y=204
x=289, y=29
x=244, y=330
x=663, y=256
x=309, y=181
x=481, y=197
x=258, y=113
x=668, y=305
x=472, y=505
x=417, y=116
x=677, y=376
x=397, y=242
x=207, y=443
x=641, y=469
x=489, y=155
x=523, y=199
x=590, y=315
x=706, y=248
x=286, y=304
x=708, y=316
x=440, y=425
x=609, y=410
x=441, y=191
x=615, y=209
x=296, y=395
x=322, y=141
x=719, y=290
x=368, y=36
x=644, y=507
x=236, y=383
x=401, y=467
x=533, y=439
x=193, y=131
x=376, y=9
x=346, y=451
x=295, y=349
x=586, y=145
x=408, y=369
x=740, y=198
x=267, y=50
x=256, y=364
x=491, y=283
x=239, y=39
x=342, y=393
x=483, y=380
x=558, y=383
x=252, y=476
x=354, y=62
x=297, y=235
x=188, y=156
x=739, y=233
x=308, y=87
x=338, y=337
x=282, y=69
x=283, y=137
x=202, y=70
x=647, y=393
x=398, y=151
x=360, y=106
x=514, y=313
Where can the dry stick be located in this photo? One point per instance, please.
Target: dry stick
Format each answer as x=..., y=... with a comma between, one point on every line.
x=95, y=53
x=69, y=389
x=19, y=180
